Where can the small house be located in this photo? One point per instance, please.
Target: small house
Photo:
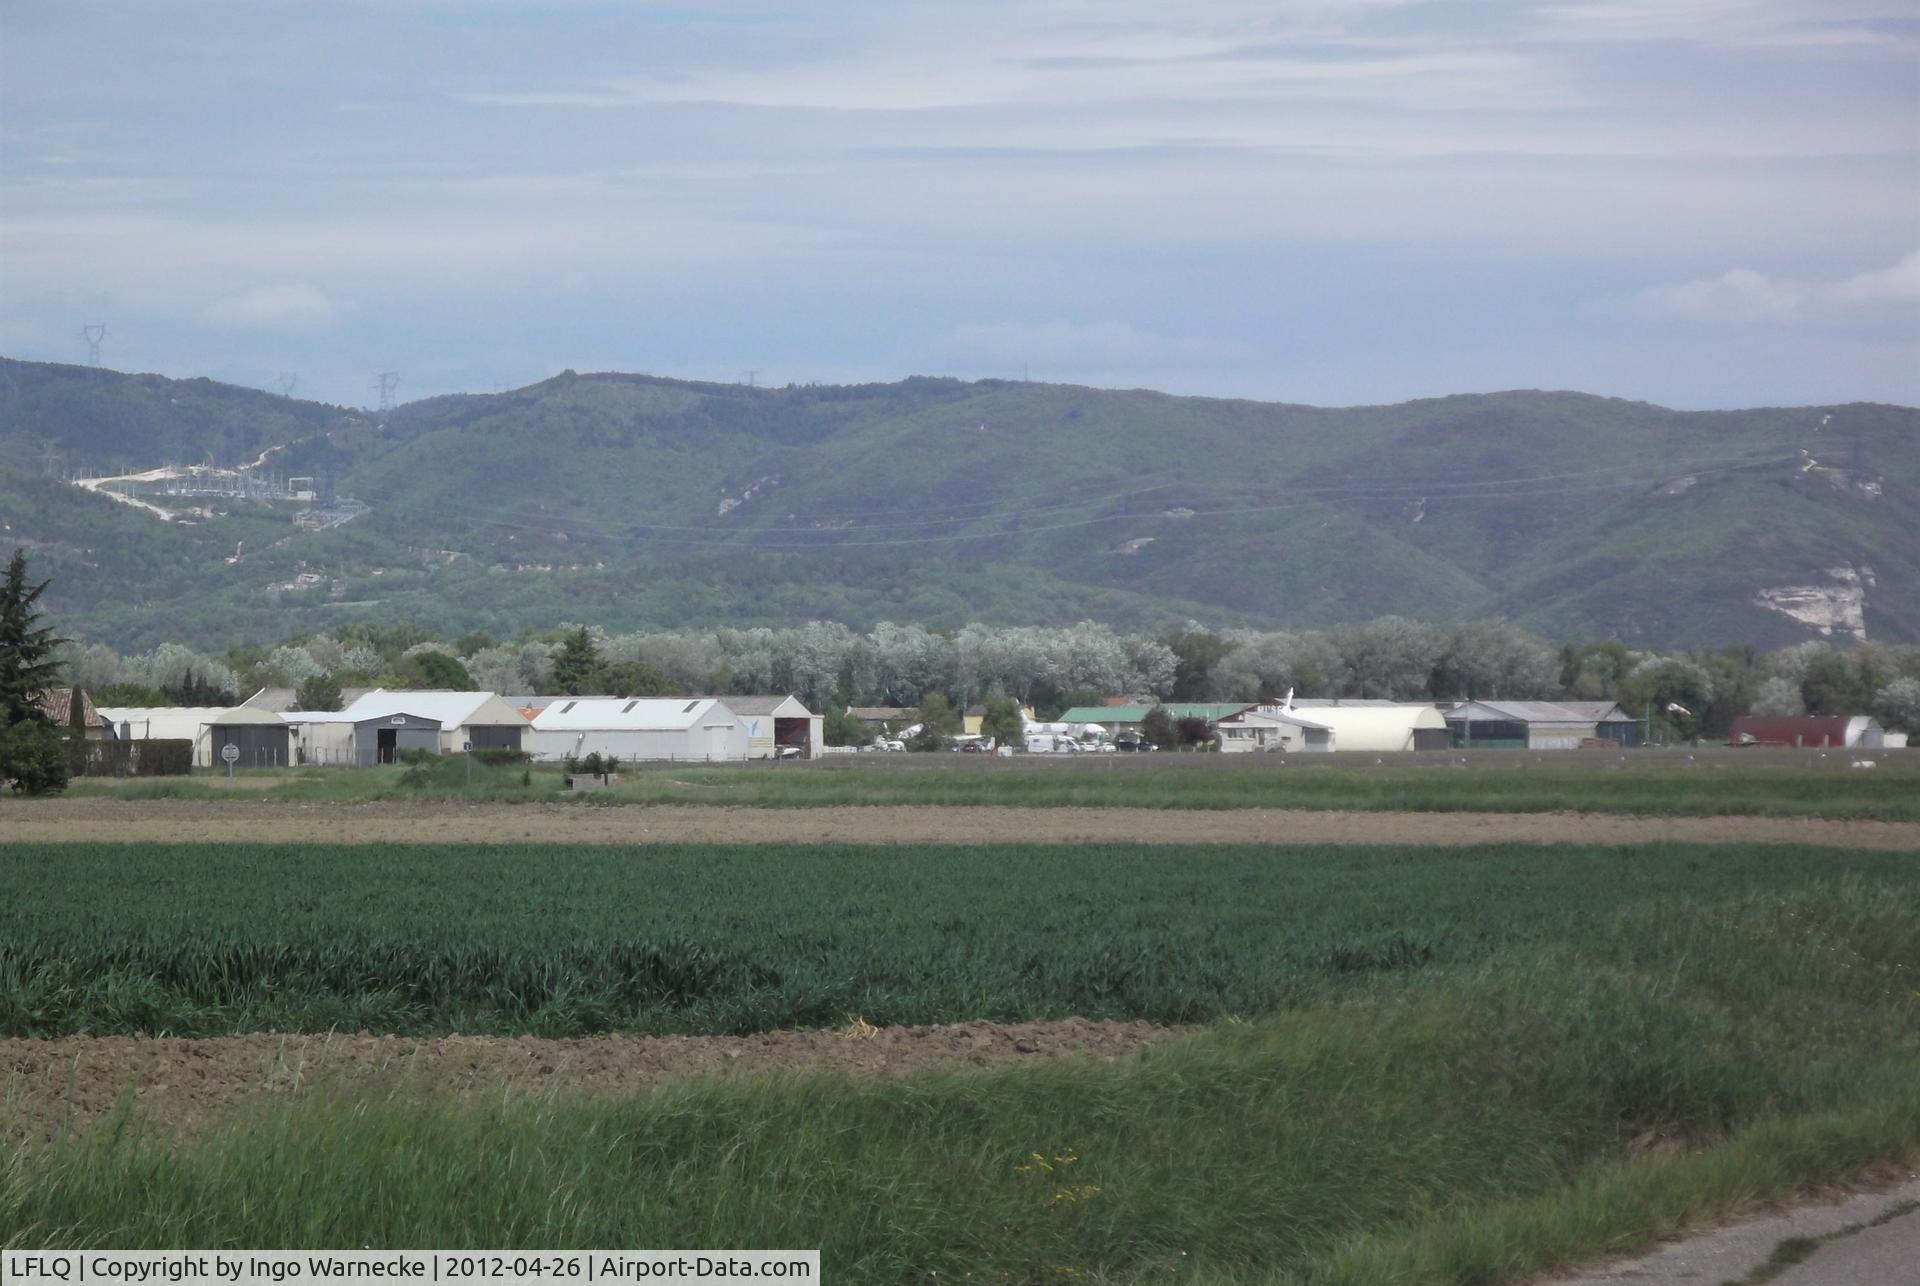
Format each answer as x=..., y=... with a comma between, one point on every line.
x=880, y=719
x=1272, y=728
x=57, y=705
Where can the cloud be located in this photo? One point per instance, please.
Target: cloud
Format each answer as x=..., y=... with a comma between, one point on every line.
x=1745, y=297
x=1871, y=27
x=293, y=306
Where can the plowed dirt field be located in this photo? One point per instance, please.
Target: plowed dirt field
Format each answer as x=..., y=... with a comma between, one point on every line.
x=258, y=821
x=178, y=1083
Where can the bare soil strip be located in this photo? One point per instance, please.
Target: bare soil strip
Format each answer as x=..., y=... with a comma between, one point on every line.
x=95, y=821
x=178, y=1083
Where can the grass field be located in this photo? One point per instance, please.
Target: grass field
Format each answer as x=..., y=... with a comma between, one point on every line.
x=558, y=940
x=1560, y=1096
x=1407, y=1064
x=1675, y=783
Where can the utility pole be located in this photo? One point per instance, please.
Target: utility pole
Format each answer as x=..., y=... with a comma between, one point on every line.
x=93, y=333
x=753, y=377
x=385, y=385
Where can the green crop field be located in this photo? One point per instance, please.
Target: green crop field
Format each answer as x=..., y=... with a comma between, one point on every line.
x=560, y=941
x=1665, y=783
x=1705, y=783
x=1622, y=1048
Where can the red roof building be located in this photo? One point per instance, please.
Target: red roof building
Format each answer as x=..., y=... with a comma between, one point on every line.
x=1806, y=731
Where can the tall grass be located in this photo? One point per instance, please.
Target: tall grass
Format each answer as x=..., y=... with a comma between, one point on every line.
x=448, y=778
x=562, y=940
x=1708, y=783
x=1548, y=1103
x=1653, y=783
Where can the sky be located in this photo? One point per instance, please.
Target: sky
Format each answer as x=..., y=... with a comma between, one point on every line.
x=1702, y=203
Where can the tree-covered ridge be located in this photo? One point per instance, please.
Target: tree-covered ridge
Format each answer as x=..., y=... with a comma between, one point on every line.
x=669, y=503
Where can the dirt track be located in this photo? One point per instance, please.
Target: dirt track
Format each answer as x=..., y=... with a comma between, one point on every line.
x=258, y=821
x=178, y=1082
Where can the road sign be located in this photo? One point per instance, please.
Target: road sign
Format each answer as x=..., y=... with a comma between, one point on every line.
x=466, y=747
x=229, y=752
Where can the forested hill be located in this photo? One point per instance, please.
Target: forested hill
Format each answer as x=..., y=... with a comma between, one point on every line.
x=632, y=500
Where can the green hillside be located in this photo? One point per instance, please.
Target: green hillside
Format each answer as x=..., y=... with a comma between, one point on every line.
x=638, y=501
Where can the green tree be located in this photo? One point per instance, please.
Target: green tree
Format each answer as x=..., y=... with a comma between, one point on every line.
x=435, y=670
x=27, y=667
x=1678, y=693
x=129, y=694
x=76, y=731
x=33, y=756
x=938, y=723
x=1157, y=728
x=192, y=691
x=1194, y=731
x=841, y=727
x=321, y=692
x=632, y=679
x=1833, y=685
x=1898, y=705
x=1195, y=653
x=576, y=666
x=938, y=712
x=1002, y=722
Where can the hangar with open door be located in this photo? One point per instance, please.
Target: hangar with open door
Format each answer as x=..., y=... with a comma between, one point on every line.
x=778, y=723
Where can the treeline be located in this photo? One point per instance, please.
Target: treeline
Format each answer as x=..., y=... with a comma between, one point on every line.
x=829, y=665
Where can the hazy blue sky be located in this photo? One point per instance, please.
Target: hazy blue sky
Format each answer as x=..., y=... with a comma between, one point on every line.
x=1698, y=202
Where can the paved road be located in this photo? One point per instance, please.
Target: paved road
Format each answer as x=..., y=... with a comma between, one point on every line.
x=1870, y=1239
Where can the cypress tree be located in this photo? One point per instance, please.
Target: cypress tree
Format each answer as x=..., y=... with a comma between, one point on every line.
x=27, y=667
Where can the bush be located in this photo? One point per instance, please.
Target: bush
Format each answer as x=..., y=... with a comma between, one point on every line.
x=501, y=757
x=156, y=757
x=33, y=757
x=416, y=756
x=929, y=738
x=842, y=728
x=1194, y=732
x=1158, y=728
